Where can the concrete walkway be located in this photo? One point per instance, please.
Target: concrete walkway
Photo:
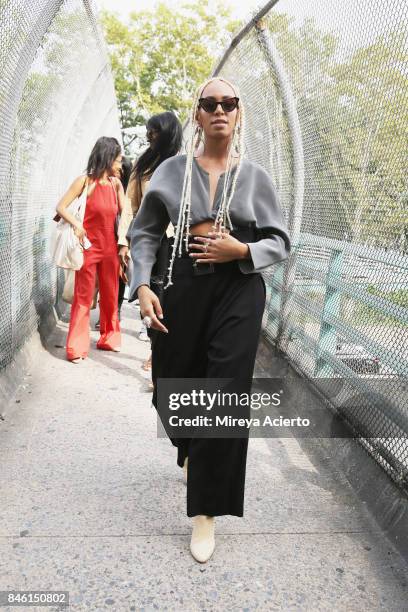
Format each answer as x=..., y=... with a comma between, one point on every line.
x=93, y=503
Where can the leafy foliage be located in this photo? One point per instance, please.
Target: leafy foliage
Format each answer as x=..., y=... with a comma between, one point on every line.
x=160, y=56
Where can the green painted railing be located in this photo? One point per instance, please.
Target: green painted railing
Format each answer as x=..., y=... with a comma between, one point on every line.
x=327, y=273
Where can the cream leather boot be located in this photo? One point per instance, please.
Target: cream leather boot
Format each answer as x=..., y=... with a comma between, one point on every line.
x=185, y=469
x=203, y=538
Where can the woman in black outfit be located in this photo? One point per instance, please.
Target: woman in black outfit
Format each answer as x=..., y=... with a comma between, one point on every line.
x=229, y=227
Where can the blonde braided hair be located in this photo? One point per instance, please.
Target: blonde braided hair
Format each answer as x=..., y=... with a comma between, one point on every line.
x=236, y=143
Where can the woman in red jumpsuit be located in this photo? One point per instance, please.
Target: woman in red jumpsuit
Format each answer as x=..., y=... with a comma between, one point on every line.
x=105, y=199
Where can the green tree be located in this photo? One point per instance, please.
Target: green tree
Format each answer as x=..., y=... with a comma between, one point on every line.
x=160, y=56
x=368, y=146
x=353, y=115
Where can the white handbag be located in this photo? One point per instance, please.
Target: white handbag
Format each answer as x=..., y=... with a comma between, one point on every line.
x=69, y=286
x=68, y=292
x=67, y=251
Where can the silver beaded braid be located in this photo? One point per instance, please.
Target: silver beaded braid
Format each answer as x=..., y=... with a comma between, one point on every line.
x=236, y=145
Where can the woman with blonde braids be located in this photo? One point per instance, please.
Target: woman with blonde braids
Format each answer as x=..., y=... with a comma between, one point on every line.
x=228, y=227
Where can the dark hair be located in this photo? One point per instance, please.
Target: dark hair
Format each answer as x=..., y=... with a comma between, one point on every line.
x=167, y=144
x=104, y=153
x=126, y=171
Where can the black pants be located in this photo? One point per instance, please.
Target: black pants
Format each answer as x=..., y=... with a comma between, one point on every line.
x=158, y=275
x=121, y=292
x=214, y=323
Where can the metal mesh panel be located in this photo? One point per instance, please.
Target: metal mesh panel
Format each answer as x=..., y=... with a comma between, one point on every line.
x=57, y=98
x=326, y=106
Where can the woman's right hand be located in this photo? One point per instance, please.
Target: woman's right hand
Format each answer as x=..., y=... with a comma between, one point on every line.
x=80, y=233
x=150, y=306
x=124, y=256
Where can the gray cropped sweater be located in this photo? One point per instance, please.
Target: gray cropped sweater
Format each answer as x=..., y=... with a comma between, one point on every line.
x=255, y=202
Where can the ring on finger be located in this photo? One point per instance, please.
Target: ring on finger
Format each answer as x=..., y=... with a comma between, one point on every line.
x=147, y=321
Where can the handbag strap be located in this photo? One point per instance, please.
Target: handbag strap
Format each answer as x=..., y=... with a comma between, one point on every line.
x=82, y=200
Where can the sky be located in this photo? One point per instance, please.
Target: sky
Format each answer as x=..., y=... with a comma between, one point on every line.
x=369, y=18
x=240, y=8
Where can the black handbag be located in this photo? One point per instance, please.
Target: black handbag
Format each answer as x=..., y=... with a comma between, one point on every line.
x=159, y=270
x=158, y=276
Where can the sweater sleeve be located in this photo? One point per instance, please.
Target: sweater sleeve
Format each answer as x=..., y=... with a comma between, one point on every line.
x=132, y=205
x=145, y=234
x=125, y=221
x=274, y=244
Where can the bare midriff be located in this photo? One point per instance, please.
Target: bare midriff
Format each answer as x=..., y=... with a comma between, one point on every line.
x=202, y=228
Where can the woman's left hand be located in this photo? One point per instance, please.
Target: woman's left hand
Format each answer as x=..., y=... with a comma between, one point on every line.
x=219, y=247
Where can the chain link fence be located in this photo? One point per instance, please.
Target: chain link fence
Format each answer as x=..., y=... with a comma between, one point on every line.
x=56, y=98
x=327, y=107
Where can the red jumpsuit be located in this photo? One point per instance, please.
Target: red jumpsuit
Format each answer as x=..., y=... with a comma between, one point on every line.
x=102, y=259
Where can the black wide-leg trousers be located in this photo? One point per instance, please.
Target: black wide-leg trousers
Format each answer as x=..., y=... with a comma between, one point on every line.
x=214, y=322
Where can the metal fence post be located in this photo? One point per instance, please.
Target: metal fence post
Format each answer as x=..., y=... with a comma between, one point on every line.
x=295, y=215
x=275, y=284
x=332, y=303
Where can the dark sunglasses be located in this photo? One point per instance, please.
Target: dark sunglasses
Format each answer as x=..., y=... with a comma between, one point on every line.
x=210, y=105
